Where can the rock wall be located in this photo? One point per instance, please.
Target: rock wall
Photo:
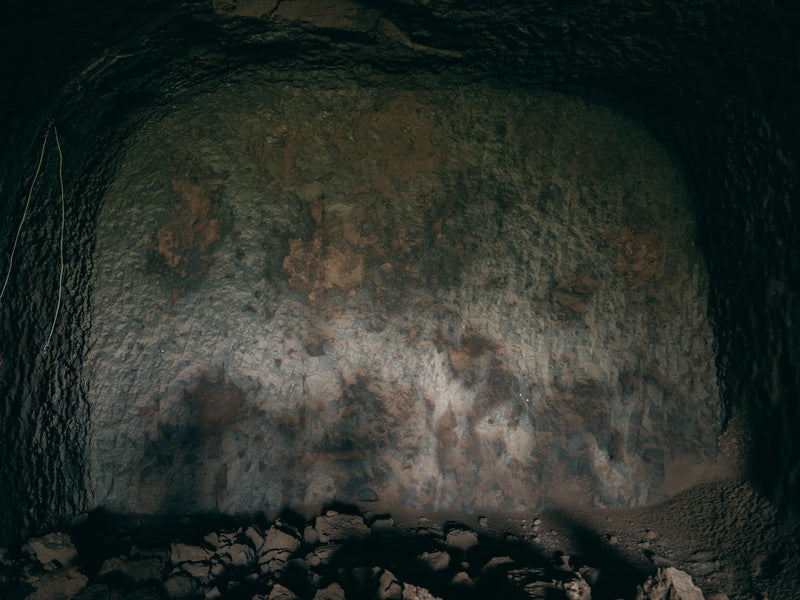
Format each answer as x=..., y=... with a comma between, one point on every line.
x=442, y=299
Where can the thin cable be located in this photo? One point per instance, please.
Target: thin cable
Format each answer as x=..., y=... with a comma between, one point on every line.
x=24, y=214
x=61, y=237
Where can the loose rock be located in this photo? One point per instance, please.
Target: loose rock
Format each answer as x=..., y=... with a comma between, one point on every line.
x=53, y=550
x=340, y=527
x=669, y=584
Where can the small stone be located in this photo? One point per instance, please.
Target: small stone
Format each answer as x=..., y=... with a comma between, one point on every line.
x=98, y=591
x=280, y=592
x=180, y=586
x=110, y=566
x=437, y=561
x=332, y=592
x=52, y=551
x=591, y=575
x=340, y=528
x=200, y=571
x=669, y=584
x=56, y=585
x=277, y=539
x=462, y=580
x=496, y=563
x=144, y=570
x=389, y=588
x=213, y=594
x=577, y=589
x=660, y=561
x=181, y=553
x=237, y=555
x=382, y=524
x=217, y=569
x=212, y=539
x=483, y=522
x=310, y=535
x=525, y=575
x=322, y=555
x=136, y=571
x=413, y=592
x=542, y=590
x=276, y=550
x=461, y=538
x=256, y=539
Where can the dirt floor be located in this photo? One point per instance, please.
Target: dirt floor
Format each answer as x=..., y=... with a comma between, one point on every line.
x=725, y=536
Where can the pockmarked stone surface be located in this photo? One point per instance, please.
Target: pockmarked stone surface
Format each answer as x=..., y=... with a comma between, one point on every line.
x=459, y=299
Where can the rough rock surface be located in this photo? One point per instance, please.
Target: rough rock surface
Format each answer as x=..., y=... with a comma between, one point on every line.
x=420, y=298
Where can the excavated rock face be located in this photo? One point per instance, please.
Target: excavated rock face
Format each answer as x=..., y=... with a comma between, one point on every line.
x=462, y=299
x=356, y=251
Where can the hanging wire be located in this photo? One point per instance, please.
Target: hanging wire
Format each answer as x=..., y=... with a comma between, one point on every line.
x=61, y=231
x=61, y=236
x=24, y=214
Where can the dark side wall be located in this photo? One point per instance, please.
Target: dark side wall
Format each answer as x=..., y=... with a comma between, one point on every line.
x=714, y=80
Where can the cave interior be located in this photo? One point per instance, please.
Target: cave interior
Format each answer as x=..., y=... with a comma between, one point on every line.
x=430, y=256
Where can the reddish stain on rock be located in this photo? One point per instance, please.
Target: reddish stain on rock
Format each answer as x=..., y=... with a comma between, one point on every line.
x=185, y=245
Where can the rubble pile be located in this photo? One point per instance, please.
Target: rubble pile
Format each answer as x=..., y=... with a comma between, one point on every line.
x=334, y=556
